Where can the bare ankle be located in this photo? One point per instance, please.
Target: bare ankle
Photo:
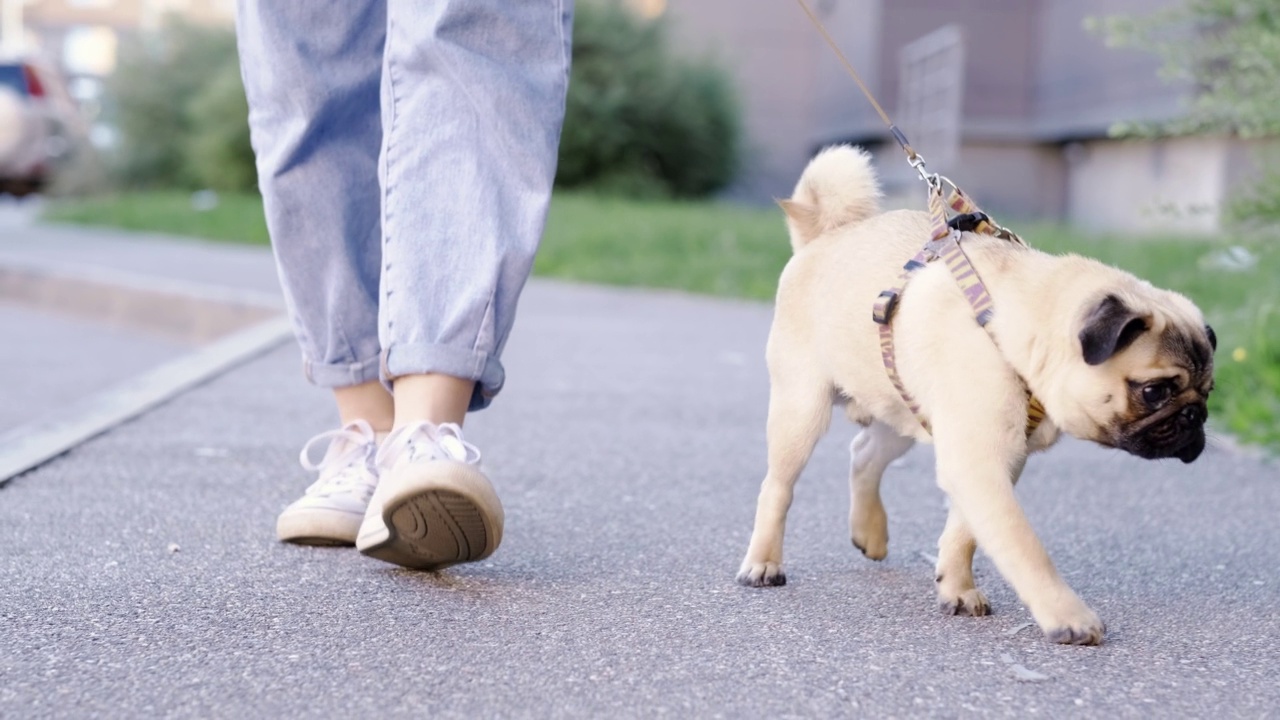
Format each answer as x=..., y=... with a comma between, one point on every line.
x=432, y=397
x=367, y=401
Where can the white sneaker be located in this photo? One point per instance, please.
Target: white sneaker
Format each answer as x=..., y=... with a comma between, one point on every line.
x=434, y=507
x=331, y=510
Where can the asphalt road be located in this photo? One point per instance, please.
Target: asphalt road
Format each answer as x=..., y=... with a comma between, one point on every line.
x=49, y=360
x=139, y=576
x=190, y=261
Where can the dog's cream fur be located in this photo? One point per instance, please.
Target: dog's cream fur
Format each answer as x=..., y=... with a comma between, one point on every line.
x=824, y=349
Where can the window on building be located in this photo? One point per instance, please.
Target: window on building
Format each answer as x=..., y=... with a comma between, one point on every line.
x=649, y=9
x=90, y=50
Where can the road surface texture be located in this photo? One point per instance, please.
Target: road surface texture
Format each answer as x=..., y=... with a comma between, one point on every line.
x=51, y=361
x=140, y=577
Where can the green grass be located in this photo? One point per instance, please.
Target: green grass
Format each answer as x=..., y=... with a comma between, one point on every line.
x=716, y=249
x=700, y=247
x=735, y=251
x=237, y=218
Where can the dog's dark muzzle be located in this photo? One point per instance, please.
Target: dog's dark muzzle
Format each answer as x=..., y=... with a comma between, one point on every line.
x=1179, y=435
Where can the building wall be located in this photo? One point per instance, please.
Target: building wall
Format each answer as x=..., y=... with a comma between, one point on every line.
x=65, y=13
x=1174, y=185
x=1247, y=161
x=83, y=36
x=1081, y=86
x=841, y=111
x=1018, y=181
x=1041, y=92
x=126, y=14
x=1012, y=181
x=1000, y=49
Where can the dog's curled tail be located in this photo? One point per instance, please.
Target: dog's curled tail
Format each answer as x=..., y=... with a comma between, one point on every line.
x=838, y=187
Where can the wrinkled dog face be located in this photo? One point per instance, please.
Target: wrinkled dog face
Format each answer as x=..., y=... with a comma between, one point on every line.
x=1156, y=355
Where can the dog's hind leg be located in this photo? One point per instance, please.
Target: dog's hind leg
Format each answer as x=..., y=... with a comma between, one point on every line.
x=799, y=414
x=957, y=593
x=869, y=454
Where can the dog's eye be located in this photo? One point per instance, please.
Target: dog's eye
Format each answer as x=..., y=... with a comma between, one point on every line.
x=1156, y=393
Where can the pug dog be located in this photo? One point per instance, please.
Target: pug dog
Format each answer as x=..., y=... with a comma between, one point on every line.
x=1111, y=358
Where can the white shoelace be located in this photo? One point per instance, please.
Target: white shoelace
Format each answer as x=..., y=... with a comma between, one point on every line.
x=426, y=441
x=352, y=469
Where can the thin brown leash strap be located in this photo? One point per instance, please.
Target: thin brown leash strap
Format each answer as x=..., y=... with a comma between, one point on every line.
x=893, y=129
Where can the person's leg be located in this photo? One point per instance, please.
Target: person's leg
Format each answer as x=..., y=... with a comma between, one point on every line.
x=432, y=397
x=472, y=102
x=368, y=401
x=312, y=75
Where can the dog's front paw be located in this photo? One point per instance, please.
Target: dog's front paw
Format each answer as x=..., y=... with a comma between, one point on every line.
x=869, y=529
x=969, y=602
x=1073, y=624
x=762, y=574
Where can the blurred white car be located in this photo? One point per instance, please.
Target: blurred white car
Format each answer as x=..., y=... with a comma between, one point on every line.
x=37, y=120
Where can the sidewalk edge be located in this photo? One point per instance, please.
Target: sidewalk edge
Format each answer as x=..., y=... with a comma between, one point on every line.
x=31, y=446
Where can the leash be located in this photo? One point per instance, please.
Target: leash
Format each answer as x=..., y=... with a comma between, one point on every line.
x=943, y=243
x=913, y=157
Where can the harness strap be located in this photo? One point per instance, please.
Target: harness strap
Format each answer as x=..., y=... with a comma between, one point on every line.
x=961, y=203
x=1035, y=412
x=944, y=243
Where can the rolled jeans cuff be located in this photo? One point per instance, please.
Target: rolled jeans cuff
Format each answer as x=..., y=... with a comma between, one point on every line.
x=421, y=358
x=336, y=375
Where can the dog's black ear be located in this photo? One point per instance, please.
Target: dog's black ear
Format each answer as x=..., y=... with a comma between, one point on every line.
x=1213, y=337
x=1110, y=328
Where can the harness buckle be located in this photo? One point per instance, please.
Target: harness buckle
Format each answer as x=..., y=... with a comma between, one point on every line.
x=968, y=222
x=886, y=303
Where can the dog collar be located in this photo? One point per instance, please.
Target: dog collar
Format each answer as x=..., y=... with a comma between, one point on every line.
x=944, y=244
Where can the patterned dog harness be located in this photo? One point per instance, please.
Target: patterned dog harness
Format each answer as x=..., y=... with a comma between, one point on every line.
x=944, y=243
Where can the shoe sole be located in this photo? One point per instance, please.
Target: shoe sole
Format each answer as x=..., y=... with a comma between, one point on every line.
x=435, y=527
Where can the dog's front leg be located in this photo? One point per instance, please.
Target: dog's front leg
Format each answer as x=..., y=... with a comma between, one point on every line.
x=957, y=593
x=976, y=471
x=798, y=417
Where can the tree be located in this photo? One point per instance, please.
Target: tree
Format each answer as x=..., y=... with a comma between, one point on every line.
x=151, y=93
x=1228, y=52
x=639, y=118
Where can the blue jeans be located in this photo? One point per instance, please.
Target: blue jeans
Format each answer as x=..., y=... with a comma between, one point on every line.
x=405, y=153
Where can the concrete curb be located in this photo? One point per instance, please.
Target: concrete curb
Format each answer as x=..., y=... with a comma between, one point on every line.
x=228, y=326
x=177, y=310
x=28, y=447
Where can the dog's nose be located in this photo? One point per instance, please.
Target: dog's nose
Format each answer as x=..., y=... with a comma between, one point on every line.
x=1194, y=413
x=1192, y=450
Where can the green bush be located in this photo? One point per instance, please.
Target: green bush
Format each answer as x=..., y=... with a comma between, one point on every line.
x=160, y=78
x=218, y=153
x=640, y=120
x=1259, y=203
x=1227, y=50
x=1228, y=53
